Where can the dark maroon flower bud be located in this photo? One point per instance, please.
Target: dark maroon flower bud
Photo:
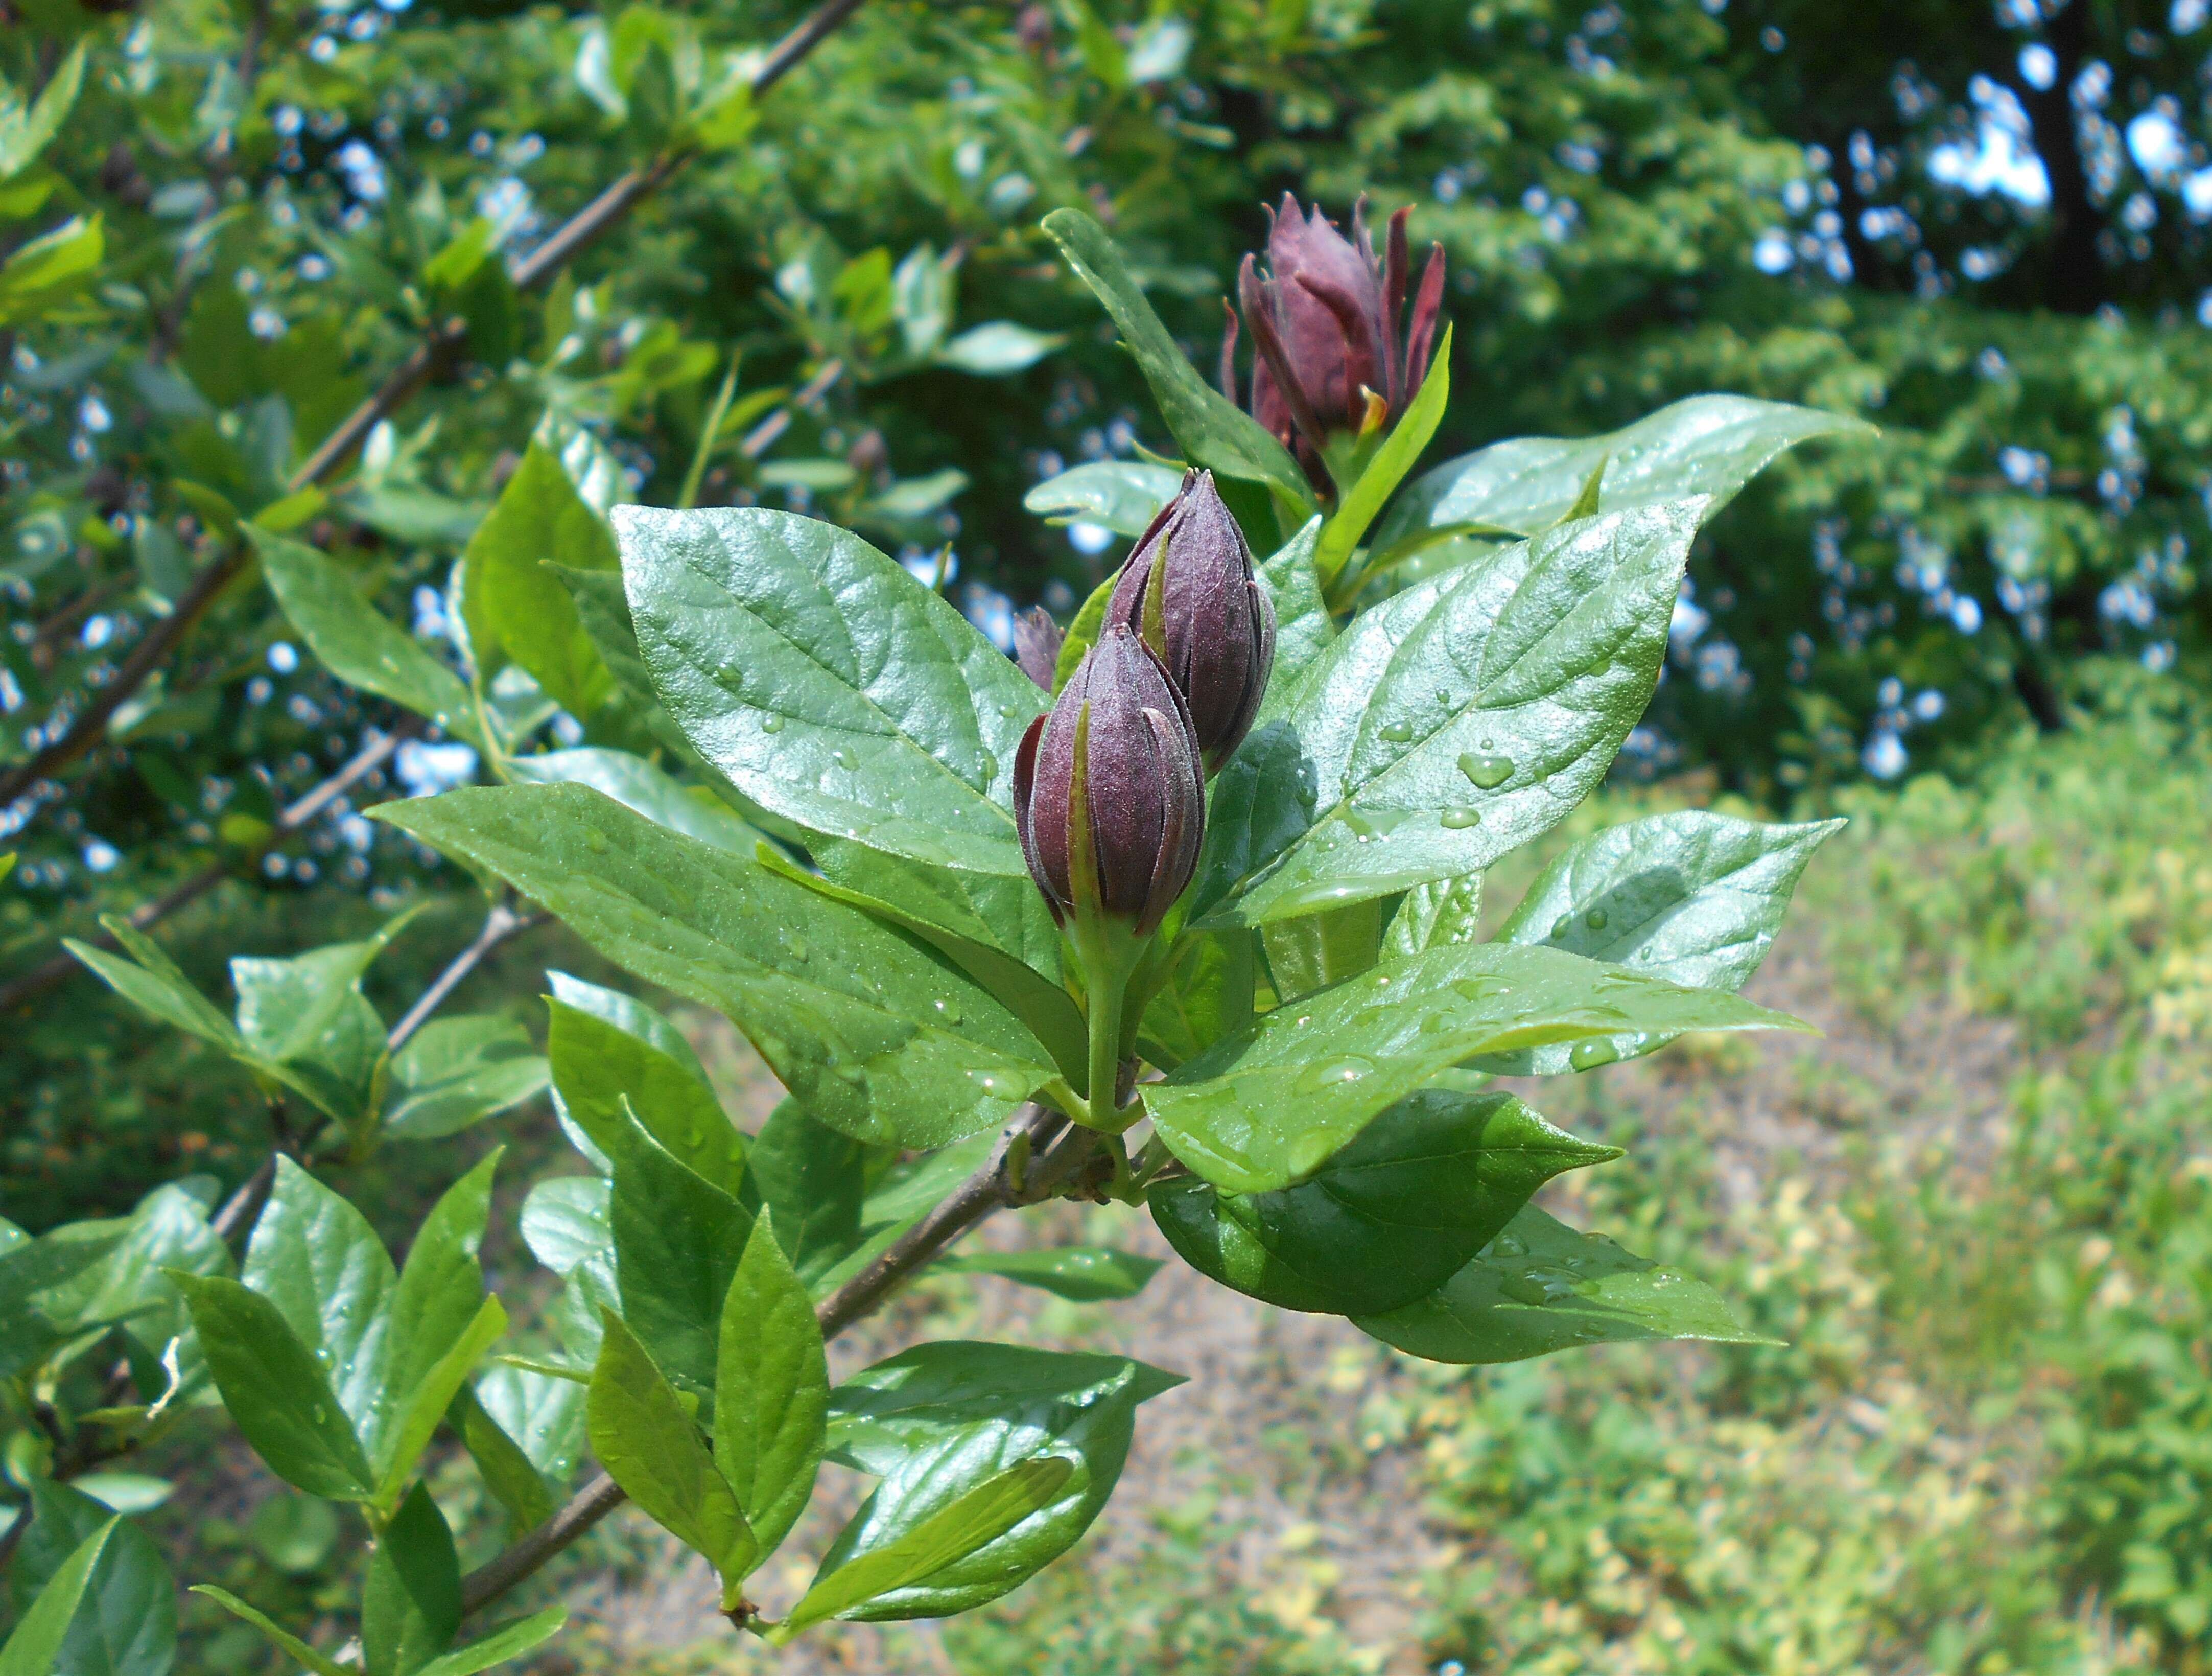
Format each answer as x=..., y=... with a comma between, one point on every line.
x=1216, y=623
x=1330, y=353
x=1037, y=641
x=1107, y=797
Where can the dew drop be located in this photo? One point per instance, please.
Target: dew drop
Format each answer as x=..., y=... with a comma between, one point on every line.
x=990, y=768
x=1480, y=989
x=1334, y=1073
x=596, y=841
x=1311, y=1151
x=1588, y=1056
x=1487, y=770
x=1459, y=818
x=844, y=759
x=1398, y=732
x=732, y=672
x=797, y=949
x=947, y=1011
x=1523, y=1289
x=1007, y=712
x=771, y=724
x=1562, y=925
x=1435, y=1024
x=1509, y=1244
x=1595, y=919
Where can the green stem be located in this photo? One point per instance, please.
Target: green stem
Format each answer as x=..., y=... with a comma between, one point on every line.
x=1111, y=953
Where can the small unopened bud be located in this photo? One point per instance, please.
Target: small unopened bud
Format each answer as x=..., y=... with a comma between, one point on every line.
x=1215, y=623
x=1107, y=797
x=1037, y=641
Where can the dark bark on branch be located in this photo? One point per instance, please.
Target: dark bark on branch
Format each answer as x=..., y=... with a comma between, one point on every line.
x=2074, y=281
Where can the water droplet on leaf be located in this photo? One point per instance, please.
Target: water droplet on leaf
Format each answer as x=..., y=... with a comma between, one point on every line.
x=1487, y=770
x=1334, y=1073
x=1311, y=1151
x=1588, y=1056
x=1595, y=919
x=1398, y=733
x=1459, y=818
x=771, y=724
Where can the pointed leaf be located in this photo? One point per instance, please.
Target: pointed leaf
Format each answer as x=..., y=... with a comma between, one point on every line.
x=281, y=1638
x=454, y=1073
x=1385, y=1221
x=411, y=1602
x=1081, y=1274
x=509, y=1641
x=1539, y=1287
x=126, y=1621
x=828, y=684
x=845, y=1010
x=315, y=1258
x=516, y=609
x=1271, y=1105
x=679, y=1241
x=1365, y=500
x=1706, y=445
x=771, y=1391
x=1120, y=495
x=1693, y=897
x=636, y=783
x=812, y=1180
x=35, y=1646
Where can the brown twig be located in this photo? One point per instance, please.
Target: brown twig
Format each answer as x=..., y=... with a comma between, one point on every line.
x=441, y=348
x=501, y=924
x=364, y=762
x=992, y=1187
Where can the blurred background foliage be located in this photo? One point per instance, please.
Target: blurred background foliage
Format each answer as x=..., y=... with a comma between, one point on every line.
x=1981, y=225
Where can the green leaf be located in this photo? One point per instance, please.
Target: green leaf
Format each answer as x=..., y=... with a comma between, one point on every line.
x=45, y=273
x=507, y=1471
x=1081, y=1274
x=845, y=1011
x=27, y=129
x=939, y=1421
x=1706, y=445
x=411, y=1605
x=150, y=981
x=358, y=643
x=1315, y=950
x=1123, y=495
x=858, y=1587
x=998, y=347
x=1208, y=995
x=566, y=1221
x=1304, y=627
x=1211, y=429
x=827, y=684
x=771, y=1389
x=515, y=608
x=1436, y=915
x=1271, y=1105
x=813, y=1180
x=281, y=1638
x=35, y=1647
x=598, y=1065
x=44, y=1285
x=1539, y=1287
x=453, y=1073
x=646, y=1439
x=286, y=1006
x=1693, y=897
x=275, y=1390
x=1460, y=720
x=679, y=1239
x=637, y=784
x=1360, y=504
x=125, y=1619
x=1388, y=1219
x=418, y=1407
x=509, y=1641
x=316, y=1259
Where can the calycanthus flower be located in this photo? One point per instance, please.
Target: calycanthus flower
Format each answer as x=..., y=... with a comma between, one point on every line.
x=1330, y=356
x=1189, y=580
x=1108, y=798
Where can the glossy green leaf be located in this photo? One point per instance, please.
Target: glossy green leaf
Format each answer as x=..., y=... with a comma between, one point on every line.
x=1081, y=1273
x=1391, y=1217
x=1540, y=1286
x=813, y=1180
x=518, y=610
x=1121, y=495
x=858, y=1586
x=1090, y=621
x=1208, y=995
x=635, y=716
x=998, y=347
x=566, y=1221
x=150, y=981
x=1315, y=950
x=317, y=1260
x=417, y=1408
x=1706, y=445
x=41, y=274
x=286, y=1006
x=649, y=1445
x=507, y=1472
x=679, y=1239
x=441, y=1286
x=358, y=643
x=1693, y=897
x=1457, y=721
x=411, y=1605
x=125, y=1620
x=1360, y=504
x=605, y=1046
x=636, y=783
x=827, y=684
x=1436, y=915
x=279, y=1637
x=45, y=1285
x=456, y=1072
x=276, y=1390
x=845, y=1010
x=1211, y=429
x=26, y=128
x=1304, y=627
x=771, y=1389
x=509, y=1641
x=937, y=1421
x=1270, y=1106
x=35, y=1648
